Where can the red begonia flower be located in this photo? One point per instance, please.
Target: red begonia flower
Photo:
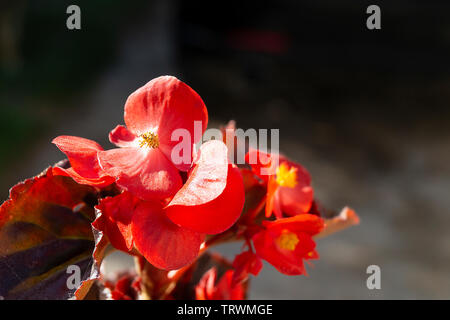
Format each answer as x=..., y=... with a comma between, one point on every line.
x=164, y=244
x=213, y=196
x=82, y=155
x=289, y=188
x=170, y=237
x=115, y=219
x=224, y=290
x=144, y=164
x=285, y=243
x=245, y=263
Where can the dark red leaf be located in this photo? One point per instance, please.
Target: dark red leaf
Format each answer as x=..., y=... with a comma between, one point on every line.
x=45, y=227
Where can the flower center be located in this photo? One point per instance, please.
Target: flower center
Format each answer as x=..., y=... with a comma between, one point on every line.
x=286, y=177
x=149, y=140
x=287, y=240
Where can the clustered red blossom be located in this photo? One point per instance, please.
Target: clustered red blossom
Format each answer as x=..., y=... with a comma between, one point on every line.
x=169, y=213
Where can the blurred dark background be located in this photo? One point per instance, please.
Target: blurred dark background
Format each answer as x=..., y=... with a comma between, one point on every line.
x=366, y=111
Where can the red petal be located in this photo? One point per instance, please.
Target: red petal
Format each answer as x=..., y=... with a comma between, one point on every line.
x=115, y=220
x=272, y=202
x=225, y=289
x=208, y=179
x=245, y=263
x=210, y=201
x=164, y=244
x=100, y=182
x=303, y=176
x=259, y=160
x=307, y=223
x=121, y=137
x=297, y=200
x=162, y=106
x=82, y=154
x=206, y=286
x=277, y=205
x=147, y=174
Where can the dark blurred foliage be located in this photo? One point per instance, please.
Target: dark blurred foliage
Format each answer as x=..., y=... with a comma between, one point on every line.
x=51, y=59
x=319, y=52
x=43, y=64
x=301, y=66
x=313, y=69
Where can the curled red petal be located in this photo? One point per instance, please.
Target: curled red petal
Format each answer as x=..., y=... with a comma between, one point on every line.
x=146, y=173
x=211, y=200
x=82, y=155
x=114, y=219
x=164, y=244
x=122, y=137
x=100, y=182
x=162, y=106
x=208, y=178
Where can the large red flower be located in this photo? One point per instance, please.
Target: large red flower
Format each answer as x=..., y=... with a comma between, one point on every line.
x=144, y=164
x=169, y=236
x=289, y=188
x=285, y=243
x=156, y=143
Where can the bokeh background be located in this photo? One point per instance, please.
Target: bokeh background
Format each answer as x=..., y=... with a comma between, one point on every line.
x=367, y=112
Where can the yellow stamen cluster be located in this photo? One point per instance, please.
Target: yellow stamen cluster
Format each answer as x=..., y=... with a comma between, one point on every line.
x=149, y=139
x=286, y=177
x=287, y=240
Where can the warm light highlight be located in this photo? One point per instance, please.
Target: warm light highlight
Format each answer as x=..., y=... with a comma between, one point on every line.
x=286, y=177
